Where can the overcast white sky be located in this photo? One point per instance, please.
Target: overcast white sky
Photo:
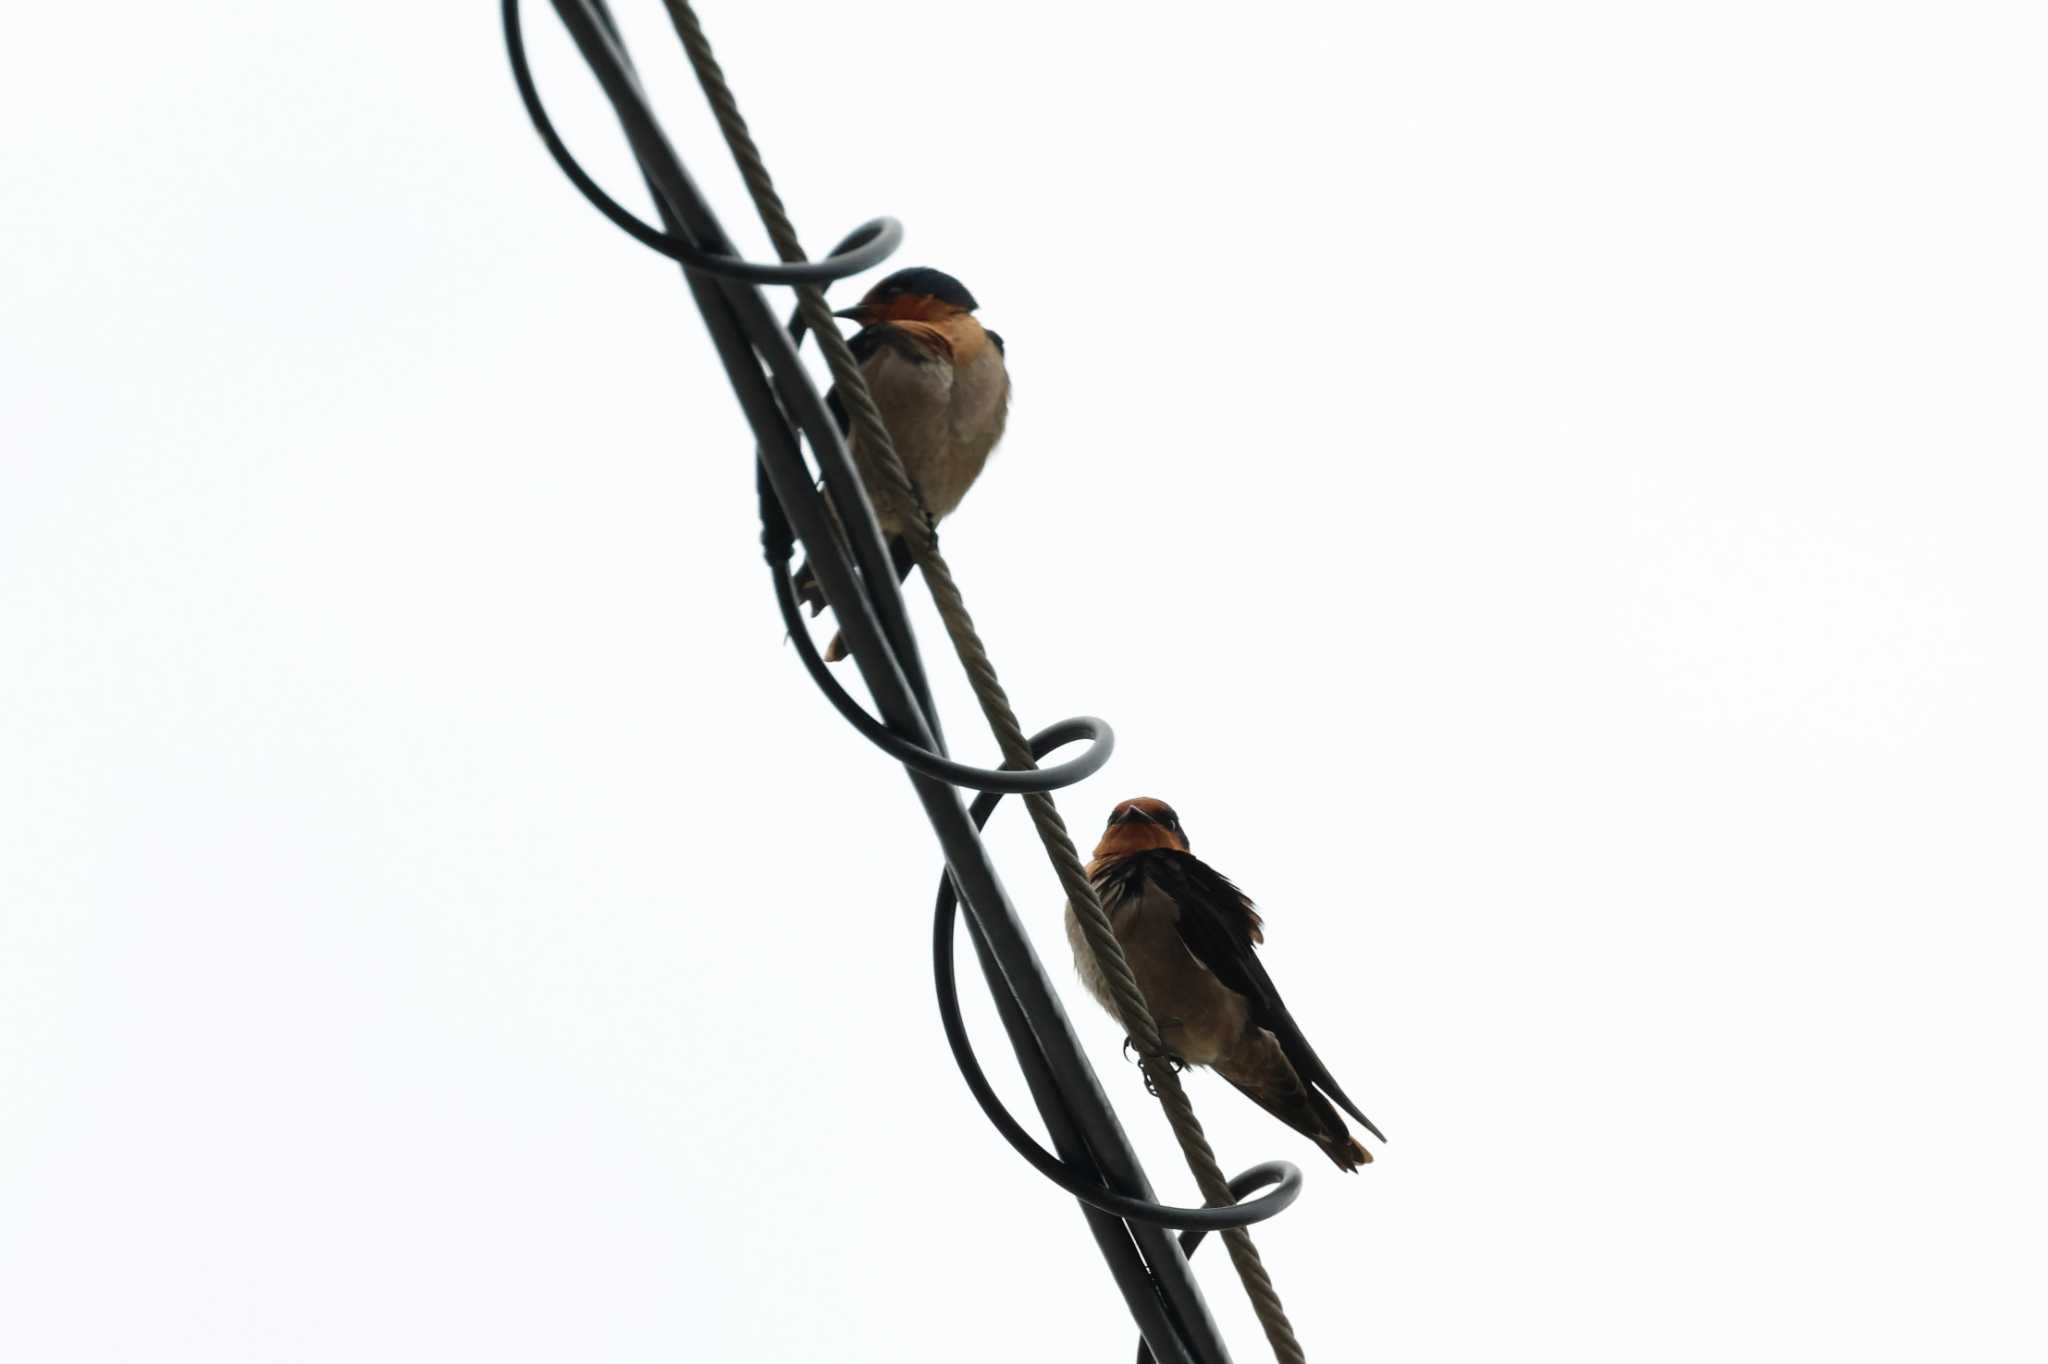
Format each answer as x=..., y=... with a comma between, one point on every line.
x=1551, y=493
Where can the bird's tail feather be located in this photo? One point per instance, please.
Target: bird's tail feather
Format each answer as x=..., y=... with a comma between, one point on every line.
x=1261, y=1071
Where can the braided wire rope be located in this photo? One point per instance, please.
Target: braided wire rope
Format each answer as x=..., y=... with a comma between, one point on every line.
x=1020, y=774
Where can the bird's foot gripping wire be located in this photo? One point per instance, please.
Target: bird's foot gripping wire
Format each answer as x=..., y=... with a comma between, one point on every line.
x=924, y=513
x=1131, y=1053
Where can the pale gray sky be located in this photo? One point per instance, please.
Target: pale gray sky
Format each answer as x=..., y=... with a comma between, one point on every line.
x=1551, y=494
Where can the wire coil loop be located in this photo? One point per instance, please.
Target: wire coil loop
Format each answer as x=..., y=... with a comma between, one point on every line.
x=866, y=247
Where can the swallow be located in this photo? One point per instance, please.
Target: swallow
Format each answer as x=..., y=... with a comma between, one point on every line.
x=1189, y=935
x=940, y=380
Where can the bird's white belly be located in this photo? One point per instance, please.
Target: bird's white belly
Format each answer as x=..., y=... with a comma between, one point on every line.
x=944, y=420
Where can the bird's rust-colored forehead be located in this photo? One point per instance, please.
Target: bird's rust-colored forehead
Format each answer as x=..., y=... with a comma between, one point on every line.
x=1156, y=826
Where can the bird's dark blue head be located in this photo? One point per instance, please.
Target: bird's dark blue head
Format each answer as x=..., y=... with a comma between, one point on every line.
x=922, y=279
x=917, y=294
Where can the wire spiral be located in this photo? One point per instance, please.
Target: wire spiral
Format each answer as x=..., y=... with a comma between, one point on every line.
x=864, y=248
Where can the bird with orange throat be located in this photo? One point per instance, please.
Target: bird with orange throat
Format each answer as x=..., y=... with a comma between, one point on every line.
x=1189, y=935
x=941, y=384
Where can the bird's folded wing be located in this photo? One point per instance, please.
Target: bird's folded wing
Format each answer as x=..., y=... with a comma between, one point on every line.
x=1220, y=927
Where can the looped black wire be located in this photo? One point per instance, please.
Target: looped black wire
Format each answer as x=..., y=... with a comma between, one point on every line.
x=1255, y=1178
x=1283, y=1175
x=866, y=246
x=1009, y=781
x=870, y=244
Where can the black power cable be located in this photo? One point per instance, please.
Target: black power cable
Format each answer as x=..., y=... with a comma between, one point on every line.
x=869, y=245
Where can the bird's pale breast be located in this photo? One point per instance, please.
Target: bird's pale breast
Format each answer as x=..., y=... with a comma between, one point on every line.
x=1201, y=1018
x=945, y=418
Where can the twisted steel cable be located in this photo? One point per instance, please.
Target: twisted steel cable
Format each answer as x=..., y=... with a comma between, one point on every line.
x=1020, y=774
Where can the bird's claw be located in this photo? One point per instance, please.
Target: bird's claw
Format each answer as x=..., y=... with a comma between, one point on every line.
x=1178, y=1063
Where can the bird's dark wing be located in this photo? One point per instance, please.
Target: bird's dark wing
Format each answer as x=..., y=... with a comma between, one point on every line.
x=997, y=338
x=865, y=342
x=1220, y=927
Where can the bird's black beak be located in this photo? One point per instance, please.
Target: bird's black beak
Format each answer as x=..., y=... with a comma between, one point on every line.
x=1134, y=813
x=857, y=313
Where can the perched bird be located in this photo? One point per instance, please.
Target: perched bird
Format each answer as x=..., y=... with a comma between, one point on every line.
x=1188, y=934
x=938, y=377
